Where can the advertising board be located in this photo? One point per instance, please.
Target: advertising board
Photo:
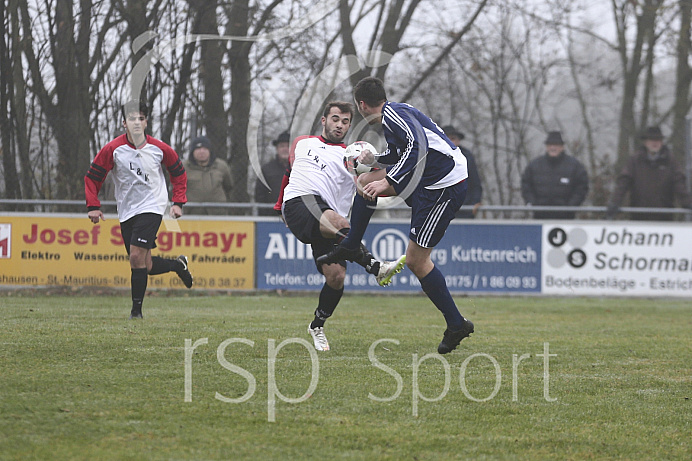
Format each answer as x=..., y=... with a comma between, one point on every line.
x=628, y=259
x=473, y=258
x=64, y=251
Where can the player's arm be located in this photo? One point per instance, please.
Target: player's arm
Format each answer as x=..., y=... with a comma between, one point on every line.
x=93, y=181
x=410, y=139
x=287, y=174
x=475, y=191
x=284, y=183
x=178, y=176
x=387, y=157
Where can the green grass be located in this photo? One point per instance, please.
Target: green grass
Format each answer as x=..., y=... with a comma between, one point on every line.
x=80, y=381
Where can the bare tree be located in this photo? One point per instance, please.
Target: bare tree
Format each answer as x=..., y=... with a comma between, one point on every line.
x=241, y=23
x=212, y=53
x=392, y=19
x=10, y=125
x=67, y=97
x=632, y=62
x=683, y=80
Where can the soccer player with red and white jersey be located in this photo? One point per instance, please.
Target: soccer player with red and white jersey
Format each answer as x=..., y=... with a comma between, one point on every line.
x=136, y=163
x=316, y=196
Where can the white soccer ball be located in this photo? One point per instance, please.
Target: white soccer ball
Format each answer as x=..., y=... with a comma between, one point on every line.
x=353, y=151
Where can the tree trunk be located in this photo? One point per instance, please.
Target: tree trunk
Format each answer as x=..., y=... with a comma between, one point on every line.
x=239, y=55
x=683, y=80
x=214, y=116
x=8, y=51
x=632, y=67
x=71, y=126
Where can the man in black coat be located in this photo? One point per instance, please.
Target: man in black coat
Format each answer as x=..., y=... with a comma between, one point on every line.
x=273, y=172
x=474, y=192
x=554, y=179
x=653, y=177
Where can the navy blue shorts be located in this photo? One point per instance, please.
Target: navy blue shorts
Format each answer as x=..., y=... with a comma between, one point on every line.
x=141, y=230
x=432, y=210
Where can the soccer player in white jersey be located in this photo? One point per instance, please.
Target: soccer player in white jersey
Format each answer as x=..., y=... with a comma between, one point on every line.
x=427, y=170
x=136, y=161
x=316, y=196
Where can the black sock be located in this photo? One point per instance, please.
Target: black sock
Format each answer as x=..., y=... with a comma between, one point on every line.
x=368, y=261
x=161, y=265
x=139, y=287
x=329, y=298
x=435, y=286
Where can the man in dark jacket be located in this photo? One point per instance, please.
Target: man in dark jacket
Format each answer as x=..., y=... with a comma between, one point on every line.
x=273, y=172
x=554, y=179
x=475, y=189
x=208, y=178
x=653, y=178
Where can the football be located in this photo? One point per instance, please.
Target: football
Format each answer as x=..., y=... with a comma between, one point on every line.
x=352, y=152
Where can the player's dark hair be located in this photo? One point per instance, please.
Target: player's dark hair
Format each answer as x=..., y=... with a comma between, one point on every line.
x=343, y=106
x=371, y=91
x=135, y=105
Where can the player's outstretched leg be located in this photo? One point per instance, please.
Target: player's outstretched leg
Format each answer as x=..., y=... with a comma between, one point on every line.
x=349, y=248
x=341, y=253
x=389, y=269
x=183, y=271
x=382, y=270
x=161, y=265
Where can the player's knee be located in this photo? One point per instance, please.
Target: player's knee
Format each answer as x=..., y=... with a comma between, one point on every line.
x=413, y=265
x=363, y=180
x=419, y=265
x=335, y=274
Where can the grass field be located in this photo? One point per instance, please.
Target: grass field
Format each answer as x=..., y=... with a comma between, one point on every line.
x=80, y=381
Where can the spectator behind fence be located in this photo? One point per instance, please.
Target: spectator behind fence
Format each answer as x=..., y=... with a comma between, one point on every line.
x=554, y=179
x=653, y=178
x=475, y=189
x=273, y=172
x=208, y=178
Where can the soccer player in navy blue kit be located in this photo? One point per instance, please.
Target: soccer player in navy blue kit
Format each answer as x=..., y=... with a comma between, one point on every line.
x=422, y=166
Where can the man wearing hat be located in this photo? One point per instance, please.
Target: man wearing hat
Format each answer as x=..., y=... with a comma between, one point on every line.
x=273, y=172
x=208, y=178
x=475, y=189
x=554, y=179
x=653, y=178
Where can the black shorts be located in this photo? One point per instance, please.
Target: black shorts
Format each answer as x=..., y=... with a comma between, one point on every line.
x=140, y=230
x=302, y=215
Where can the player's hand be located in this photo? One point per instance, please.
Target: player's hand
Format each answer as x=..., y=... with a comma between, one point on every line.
x=281, y=215
x=95, y=215
x=176, y=212
x=366, y=157
x=475, y=208
x=375, y=188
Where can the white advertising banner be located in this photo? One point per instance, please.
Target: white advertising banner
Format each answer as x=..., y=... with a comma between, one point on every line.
x=628, y=259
